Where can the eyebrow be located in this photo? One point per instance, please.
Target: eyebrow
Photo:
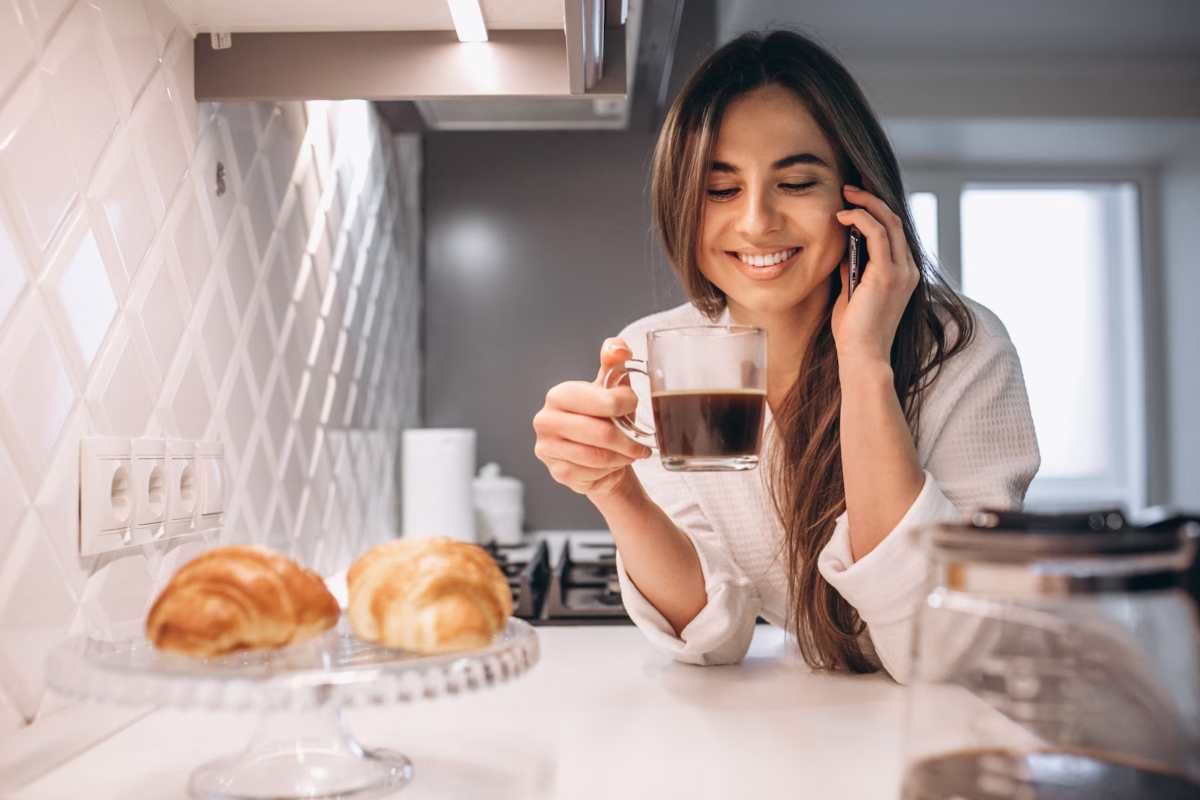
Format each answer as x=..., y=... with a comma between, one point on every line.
x=783, y=163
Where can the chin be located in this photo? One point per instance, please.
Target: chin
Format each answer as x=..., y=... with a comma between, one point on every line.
x=765, y=302
x=769, y=298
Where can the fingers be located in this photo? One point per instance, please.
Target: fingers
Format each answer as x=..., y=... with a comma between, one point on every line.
x=584, y=455
x=879, y=248
x=613, y=353
x=576, y=439
x=581, y=397
x=551, y=423
x=884, y=216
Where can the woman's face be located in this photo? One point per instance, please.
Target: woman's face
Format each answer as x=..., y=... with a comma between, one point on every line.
x=768, y=236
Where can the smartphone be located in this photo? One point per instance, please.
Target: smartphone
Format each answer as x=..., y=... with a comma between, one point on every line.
x=856, y=257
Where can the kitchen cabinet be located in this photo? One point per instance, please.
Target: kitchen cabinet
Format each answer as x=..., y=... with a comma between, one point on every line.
x=545, y=63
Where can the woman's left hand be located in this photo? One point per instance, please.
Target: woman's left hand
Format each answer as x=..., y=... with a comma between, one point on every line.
x=864, y=328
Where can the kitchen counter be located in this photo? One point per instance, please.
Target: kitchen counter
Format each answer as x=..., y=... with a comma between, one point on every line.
x=602, y=715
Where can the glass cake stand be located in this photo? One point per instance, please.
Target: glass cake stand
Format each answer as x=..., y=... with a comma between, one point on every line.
x=301, y=747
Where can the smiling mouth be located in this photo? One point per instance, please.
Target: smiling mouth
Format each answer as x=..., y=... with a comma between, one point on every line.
x=766, y=259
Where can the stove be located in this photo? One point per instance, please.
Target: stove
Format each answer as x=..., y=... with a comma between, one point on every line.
x=563, y=579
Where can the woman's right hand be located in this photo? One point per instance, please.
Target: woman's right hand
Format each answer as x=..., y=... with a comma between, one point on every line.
x=576, y=437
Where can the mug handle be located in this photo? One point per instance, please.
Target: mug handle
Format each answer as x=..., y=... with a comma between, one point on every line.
x=612, y=378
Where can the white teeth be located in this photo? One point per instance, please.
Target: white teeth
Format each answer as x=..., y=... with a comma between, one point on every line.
x=767, y=261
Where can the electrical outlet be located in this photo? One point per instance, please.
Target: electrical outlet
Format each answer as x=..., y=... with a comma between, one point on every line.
x=106, y=495
x=210, y=474
x=132, y=492
x=182, y=487
x=150, y=488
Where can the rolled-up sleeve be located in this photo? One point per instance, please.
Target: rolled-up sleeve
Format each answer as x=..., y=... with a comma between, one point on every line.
x=981, y=450
x=721, y=632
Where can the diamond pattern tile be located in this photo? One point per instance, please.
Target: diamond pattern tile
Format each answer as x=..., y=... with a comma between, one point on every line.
x=191, y=242
x=240, y=407
x=240, y=116
x=36, y=391
x=258, y=476
x=280, y=284
x=39, y=189
x=261, y=207
x=57, y=502
x=218, y=334
x=212, y=151
x=13, y=501
x=278, y=411
x=122, y=279
x=282, y=148
x=240, y=268
x=121, y=192
x=81, y=288
x=134, y=40
x=36, y=609
x=16, y=46
x=164, y=314
x=80, y=86
x=260, y=347
x=127, y=397
x=193, y=407
x=159, y=128
x=12, y=269
x=180, y=77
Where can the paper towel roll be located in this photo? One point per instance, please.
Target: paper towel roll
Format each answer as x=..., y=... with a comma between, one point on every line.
x=439, y=467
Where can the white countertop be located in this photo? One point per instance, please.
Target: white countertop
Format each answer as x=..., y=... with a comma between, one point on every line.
x=602, y=715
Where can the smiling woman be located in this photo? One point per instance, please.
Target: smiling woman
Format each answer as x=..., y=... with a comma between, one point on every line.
x=897, y=410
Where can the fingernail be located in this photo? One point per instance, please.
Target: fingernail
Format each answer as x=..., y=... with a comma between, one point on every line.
x=852, y=188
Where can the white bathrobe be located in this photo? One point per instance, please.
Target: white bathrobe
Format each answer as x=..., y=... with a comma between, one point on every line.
x=977, y=447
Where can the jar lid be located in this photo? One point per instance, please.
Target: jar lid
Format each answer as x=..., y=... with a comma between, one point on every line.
x=489, y=478
x=1019, y=537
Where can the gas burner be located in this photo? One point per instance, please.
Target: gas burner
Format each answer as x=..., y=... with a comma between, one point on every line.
x=568, y=580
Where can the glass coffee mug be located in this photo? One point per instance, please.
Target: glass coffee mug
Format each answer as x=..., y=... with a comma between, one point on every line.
x=708, y=389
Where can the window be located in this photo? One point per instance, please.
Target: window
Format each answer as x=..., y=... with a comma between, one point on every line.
x=924, y=211
x=1058, y=264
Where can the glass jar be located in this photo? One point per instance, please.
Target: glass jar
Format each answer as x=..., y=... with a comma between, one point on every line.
x=1057, y=657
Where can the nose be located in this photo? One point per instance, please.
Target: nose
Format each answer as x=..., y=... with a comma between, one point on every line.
x=760, y=216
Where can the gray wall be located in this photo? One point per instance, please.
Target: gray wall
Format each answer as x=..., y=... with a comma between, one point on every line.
x=537, y=248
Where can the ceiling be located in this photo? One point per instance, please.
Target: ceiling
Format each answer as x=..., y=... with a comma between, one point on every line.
x=1160, y=28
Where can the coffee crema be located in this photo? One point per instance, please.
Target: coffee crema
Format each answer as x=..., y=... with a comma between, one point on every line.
x=995, y=774
x=709, y=423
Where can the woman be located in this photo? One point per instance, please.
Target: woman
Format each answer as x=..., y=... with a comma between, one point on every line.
x=901, y=408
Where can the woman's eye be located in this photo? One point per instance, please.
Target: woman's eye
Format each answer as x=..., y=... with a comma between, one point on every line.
x=798, y=187
x=721, y=194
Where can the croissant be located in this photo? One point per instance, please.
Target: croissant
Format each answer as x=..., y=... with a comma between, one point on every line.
x=239, y=598
x=428, y=596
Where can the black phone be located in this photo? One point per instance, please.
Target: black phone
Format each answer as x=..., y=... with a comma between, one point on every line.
x=856, y=257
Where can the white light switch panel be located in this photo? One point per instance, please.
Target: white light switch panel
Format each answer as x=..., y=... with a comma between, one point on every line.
x=132, y=492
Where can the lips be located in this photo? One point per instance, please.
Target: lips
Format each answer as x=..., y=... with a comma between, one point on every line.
x=763, y=273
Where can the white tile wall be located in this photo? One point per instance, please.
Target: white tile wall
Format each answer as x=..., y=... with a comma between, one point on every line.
x=279, y=317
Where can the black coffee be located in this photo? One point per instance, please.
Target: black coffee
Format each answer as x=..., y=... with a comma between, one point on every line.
x=709, y=424
x=1045, y=775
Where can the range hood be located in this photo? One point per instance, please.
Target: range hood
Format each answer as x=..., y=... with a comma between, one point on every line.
x=545, y=64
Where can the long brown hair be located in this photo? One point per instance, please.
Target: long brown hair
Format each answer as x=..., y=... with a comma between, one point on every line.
x=806, y=475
